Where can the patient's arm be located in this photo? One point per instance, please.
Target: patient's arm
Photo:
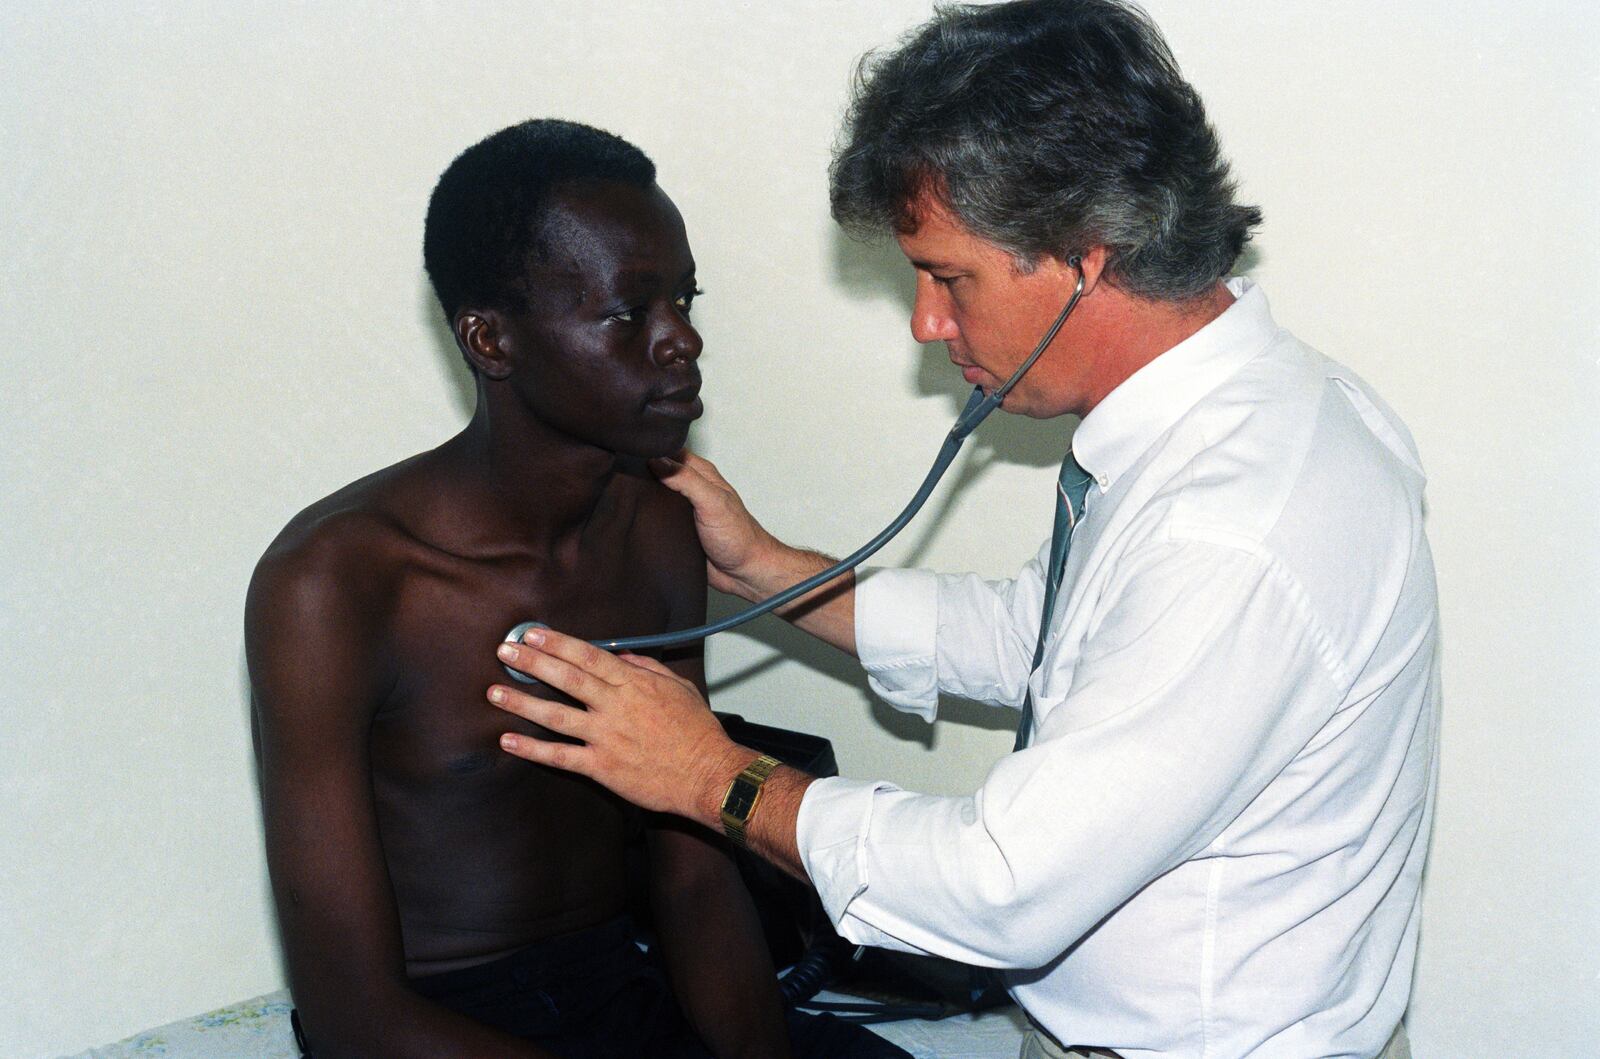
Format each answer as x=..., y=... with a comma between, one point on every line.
x=715, y=953
x=318, y=671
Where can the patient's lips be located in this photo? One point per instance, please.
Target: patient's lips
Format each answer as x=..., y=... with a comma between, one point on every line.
x=682, y=403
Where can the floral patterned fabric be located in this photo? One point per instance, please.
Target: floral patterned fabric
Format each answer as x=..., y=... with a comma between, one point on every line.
x=254, y=1029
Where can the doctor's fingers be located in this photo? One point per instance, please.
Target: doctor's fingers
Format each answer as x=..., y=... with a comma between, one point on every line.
x=695, y=478
x=703, y=467
x=560, y=673
x=580, y=654
x=565, y=756
x=555, y=716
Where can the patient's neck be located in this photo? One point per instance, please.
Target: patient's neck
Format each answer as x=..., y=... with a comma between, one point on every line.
x=532, y=483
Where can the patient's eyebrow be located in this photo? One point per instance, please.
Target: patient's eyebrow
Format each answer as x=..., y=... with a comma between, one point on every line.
x=630, y=278
x=635, y=275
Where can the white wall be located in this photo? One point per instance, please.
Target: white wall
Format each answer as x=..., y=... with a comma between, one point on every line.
x=213, y=313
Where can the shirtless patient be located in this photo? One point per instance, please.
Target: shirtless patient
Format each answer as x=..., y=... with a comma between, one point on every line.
x=436, y=896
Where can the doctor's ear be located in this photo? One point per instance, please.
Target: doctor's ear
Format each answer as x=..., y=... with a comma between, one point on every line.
x=481, y=339
x=1091, y=264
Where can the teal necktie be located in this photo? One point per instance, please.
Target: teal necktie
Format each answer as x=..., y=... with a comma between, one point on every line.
x=1071, y=488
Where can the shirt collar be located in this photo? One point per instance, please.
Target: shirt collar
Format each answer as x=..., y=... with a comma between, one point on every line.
x=1129, y=419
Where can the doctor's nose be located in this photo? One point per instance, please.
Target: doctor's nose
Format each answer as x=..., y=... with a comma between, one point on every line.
x=931, y=320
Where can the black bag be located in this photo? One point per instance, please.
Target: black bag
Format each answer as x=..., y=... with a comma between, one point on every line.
x=802, y=939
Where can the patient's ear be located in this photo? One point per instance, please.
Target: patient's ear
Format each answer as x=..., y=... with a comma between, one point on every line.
x=480, y=335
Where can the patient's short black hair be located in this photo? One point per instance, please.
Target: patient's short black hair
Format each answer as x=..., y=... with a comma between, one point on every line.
x=487, y=211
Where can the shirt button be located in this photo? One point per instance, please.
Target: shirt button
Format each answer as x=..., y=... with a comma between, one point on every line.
x=1103, y=479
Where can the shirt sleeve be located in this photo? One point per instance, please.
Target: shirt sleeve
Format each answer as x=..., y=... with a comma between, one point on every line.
x=919, y=633
x=1204, y=674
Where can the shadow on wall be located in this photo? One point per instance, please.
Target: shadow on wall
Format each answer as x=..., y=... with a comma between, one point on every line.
x=871, y=270
x=463, y=385
x=789, y=645
x=248, y=698
x=877, y=269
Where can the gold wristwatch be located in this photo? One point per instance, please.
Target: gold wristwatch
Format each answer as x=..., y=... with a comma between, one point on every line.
x=739, y=803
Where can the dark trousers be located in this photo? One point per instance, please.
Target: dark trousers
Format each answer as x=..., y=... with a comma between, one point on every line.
x=593, y=994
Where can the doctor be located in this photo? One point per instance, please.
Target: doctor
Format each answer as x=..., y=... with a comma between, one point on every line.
x=1210, y=839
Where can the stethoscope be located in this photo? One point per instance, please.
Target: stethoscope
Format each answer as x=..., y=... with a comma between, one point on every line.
x=976, y=411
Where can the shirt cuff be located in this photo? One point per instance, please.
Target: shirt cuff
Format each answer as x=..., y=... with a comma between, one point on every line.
x=896, y=619
x=831, y=831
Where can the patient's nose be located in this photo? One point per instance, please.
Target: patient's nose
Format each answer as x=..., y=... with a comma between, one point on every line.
x=678, y=341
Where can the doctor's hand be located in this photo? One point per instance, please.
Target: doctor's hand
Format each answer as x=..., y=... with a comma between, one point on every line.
x=647, y=735
x=743, y=559
x=738, y=550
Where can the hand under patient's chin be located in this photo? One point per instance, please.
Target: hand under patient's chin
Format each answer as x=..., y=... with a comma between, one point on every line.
x=670, y=444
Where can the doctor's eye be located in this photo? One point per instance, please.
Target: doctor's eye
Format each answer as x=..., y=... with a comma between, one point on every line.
x=685, y=301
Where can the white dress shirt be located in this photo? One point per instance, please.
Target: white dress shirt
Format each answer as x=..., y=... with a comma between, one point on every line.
x=1214, y=845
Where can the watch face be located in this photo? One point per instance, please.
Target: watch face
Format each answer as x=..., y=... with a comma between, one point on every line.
x=741, y=798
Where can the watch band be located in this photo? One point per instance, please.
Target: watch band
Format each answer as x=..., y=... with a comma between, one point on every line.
x=743, y=794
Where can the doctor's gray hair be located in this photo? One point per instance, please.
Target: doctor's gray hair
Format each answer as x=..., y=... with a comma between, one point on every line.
x=1046, y=127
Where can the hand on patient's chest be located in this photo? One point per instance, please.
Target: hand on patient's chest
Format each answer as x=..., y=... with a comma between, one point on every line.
x=436, y=725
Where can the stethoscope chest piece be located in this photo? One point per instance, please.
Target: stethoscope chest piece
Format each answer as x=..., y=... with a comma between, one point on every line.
x=515, y=636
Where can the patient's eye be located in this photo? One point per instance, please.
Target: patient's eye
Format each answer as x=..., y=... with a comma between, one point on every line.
x=631, y=315
x=685, y=301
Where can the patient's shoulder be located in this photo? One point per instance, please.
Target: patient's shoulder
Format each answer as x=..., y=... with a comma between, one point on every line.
x=333, y=569
x=345, y=540
x=317, y=624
